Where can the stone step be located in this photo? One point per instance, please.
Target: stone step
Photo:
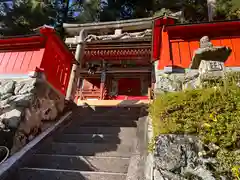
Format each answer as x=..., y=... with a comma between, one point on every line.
x=99, y=130
x=108, y=114
x=79, y=163
x=108, y=118
x=117, y=138
x=94, y=145
x=104, y=123
x=123, y=115
x=114, y=108
x=54, y=174
x=86, y=149
x=109, y=110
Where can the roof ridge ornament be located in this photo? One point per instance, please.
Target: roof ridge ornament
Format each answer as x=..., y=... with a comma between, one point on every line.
x=126, y=35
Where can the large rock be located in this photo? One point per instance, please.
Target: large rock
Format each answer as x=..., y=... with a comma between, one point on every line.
x=176, y=158
x=9, y=123
x=12, y=118
x=32, y=120
x=24, y=106
x=7, y=87
x=25, y=86
x=191, y=80
x=48, y=109
x=168, y=83
x=22, y=100
x=5, y=96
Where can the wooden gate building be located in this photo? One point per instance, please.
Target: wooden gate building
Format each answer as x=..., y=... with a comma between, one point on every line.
x=116, y=64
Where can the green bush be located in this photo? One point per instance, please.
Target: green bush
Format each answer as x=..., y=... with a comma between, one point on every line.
x=212, y=113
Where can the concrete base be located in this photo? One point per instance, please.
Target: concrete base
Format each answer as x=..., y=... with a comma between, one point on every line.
x=113, y=102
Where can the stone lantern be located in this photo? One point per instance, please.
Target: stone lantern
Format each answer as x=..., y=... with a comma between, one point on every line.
x=209, y=61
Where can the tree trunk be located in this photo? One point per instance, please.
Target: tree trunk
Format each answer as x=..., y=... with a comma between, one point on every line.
x=211, y=9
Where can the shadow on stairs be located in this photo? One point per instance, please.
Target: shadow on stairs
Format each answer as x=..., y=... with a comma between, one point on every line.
x=93, y=144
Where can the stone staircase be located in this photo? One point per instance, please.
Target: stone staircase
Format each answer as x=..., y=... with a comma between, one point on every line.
x=97, y=146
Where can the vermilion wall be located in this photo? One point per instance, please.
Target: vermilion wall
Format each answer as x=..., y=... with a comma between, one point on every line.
x=20, y=55
x=19, y=62
x=174, y=45
x=46, y=51
x=183, y=51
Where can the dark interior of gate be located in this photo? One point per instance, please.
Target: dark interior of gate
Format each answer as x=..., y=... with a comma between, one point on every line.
x=116, y=71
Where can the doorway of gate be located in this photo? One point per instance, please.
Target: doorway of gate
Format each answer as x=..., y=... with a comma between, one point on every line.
x=129, y=89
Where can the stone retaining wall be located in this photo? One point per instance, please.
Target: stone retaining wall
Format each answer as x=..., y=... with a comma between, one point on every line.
x=28, y=106
x=177, y=157
x=172, y=82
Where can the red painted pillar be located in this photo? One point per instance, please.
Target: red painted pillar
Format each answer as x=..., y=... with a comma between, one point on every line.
x=164, y=58
x=153, y=81
x=156, y=41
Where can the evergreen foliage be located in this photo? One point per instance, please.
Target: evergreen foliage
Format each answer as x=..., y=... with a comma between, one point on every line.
x=227, y=10
x=24, y=15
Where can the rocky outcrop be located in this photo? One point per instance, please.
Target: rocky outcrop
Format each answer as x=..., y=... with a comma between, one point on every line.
x=168, y=83
x=25, y=104
x=178, y=157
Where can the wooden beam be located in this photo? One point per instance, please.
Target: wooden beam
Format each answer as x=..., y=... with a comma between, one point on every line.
x=85, y=71
x=125, y=25
x=74, y=40
x=134, y=45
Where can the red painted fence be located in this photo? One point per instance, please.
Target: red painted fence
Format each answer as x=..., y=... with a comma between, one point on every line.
x=45, y=51
x=174, y=45
x=183, y=51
